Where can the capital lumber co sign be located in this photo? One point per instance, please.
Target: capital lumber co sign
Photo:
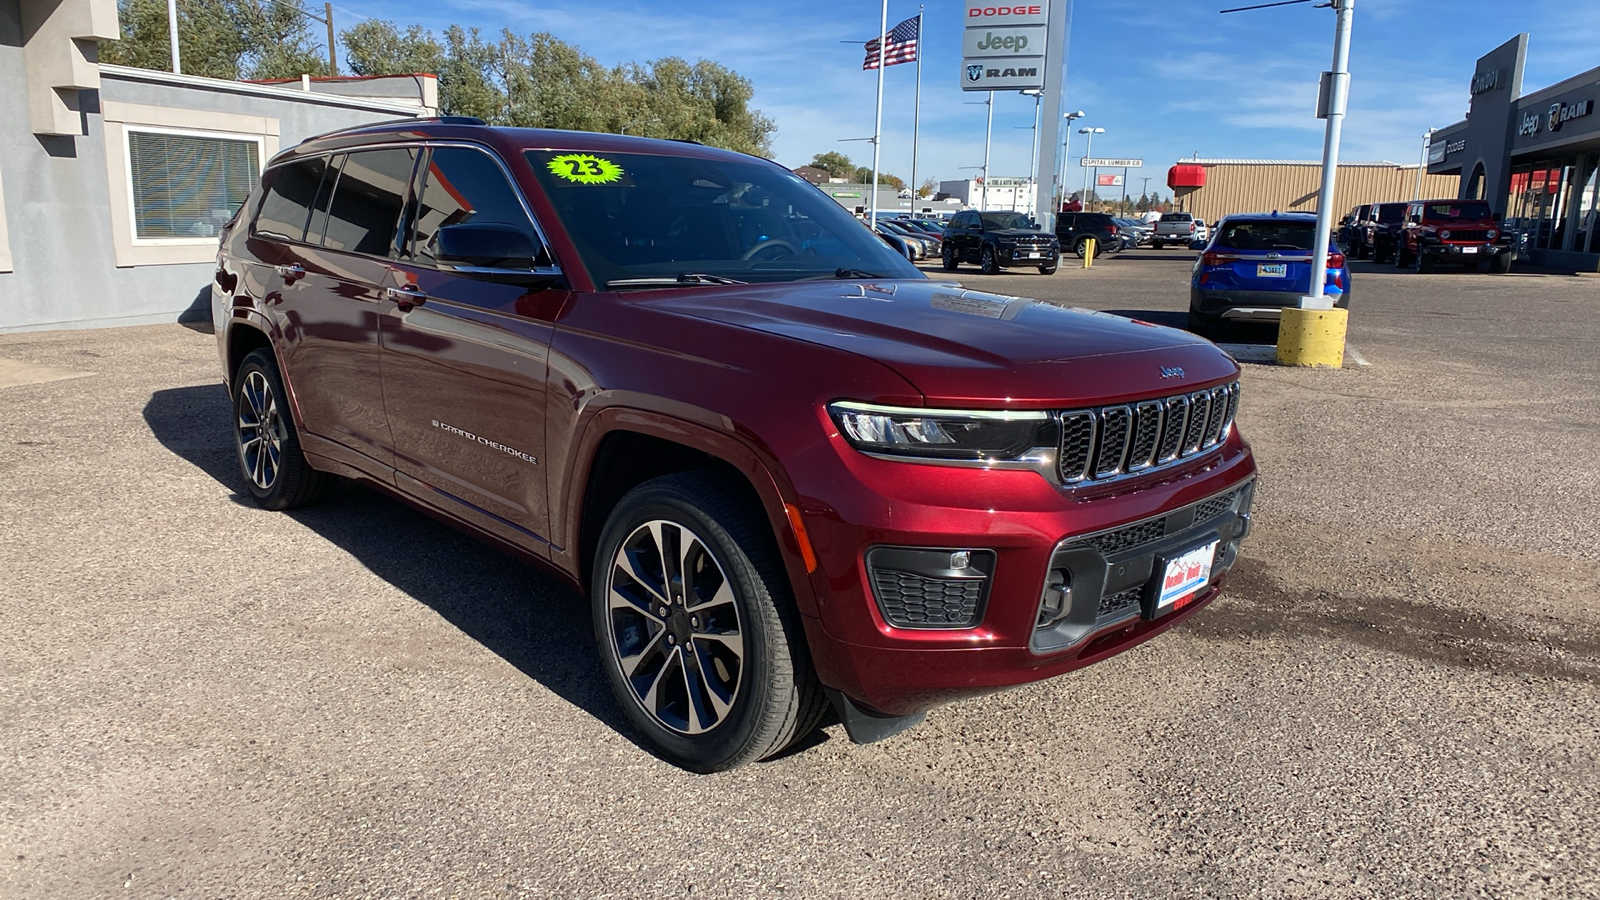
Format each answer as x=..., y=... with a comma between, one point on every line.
x=1002, y=45
x=1108, y=163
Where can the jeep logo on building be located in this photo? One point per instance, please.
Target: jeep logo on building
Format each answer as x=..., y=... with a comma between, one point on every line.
x=1530, y=125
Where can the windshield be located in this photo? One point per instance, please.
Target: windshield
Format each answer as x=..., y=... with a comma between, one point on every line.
x=1267, y=234
x=633, y=215
x=1005, y=220
x=1467, y=209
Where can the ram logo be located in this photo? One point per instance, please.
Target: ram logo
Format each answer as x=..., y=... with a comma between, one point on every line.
x=974, y=73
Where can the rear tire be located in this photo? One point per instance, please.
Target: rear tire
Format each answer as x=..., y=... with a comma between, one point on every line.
x=689, y=594
x=1157, y=245
x=947, y=259
x=1201, y=325
x=275, y=470
x=1081, y=248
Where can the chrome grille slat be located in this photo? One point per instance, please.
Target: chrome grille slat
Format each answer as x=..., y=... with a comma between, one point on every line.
x=1114, y=424
x=1107, y=442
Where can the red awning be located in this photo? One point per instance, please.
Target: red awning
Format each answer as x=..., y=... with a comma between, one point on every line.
x=1186, y=176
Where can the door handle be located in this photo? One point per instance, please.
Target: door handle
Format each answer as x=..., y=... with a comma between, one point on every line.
x=291, y=273
x=407, y=298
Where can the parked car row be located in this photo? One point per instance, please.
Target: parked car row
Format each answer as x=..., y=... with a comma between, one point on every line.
x=1421, y=233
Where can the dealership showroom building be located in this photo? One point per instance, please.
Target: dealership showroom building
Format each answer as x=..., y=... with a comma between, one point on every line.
x=1533, y=157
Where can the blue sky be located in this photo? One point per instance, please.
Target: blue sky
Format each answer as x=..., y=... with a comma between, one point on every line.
x=1165, y=78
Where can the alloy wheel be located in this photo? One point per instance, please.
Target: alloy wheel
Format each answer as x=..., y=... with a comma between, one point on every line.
x=674, y=627
x=260, y=431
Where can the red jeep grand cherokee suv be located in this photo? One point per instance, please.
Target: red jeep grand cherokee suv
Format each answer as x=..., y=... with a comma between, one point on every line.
x=786, y=468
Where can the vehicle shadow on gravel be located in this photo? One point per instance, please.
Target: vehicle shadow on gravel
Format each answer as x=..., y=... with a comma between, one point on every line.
x=1254, y=604
x=1224, y=332
x=529, y=619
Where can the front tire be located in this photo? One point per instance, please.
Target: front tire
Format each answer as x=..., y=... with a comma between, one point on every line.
x=698, y=634
x=1047, y=270
x=275, y=470
x=1501, y=264
x=988, y=263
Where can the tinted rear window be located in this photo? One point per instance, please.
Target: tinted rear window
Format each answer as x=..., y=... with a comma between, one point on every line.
x=367, y=199
x=1177, y=217
x=1391, y=212
x=287, y=205
x=1268, y=234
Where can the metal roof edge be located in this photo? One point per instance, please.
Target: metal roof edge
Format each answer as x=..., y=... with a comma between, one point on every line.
x=129, y=73
x=1370, y=164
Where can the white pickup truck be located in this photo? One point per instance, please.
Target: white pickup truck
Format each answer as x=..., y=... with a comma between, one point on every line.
x=1178, y=228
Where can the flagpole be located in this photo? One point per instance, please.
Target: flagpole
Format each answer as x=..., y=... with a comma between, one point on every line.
x=877, y=128
x=988, y=134
x=916, y=117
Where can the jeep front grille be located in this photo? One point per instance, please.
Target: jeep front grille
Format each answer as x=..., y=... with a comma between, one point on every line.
x=1109, y=441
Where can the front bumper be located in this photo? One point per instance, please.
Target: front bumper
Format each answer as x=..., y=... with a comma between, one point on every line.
x=1463, y=252
x=1023, y=256
x=1032, y=527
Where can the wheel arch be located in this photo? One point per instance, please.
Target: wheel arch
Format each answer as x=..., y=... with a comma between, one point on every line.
x=623, y=448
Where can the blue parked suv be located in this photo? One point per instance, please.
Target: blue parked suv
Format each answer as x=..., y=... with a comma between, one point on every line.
x=1257, y=264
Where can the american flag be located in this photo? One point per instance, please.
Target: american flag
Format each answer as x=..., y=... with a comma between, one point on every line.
x=902, y=45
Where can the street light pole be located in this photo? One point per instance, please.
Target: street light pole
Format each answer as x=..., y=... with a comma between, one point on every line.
x=1066, y=146
x=1088, y=153
x=988, y=134
x=172, y=34
x=1422, y=163
x=1337, y=93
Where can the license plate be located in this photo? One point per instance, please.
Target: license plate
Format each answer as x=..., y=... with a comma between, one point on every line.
x=1274, y=270
x=1469, y=249
x=1185, y=577
x=1035, y=255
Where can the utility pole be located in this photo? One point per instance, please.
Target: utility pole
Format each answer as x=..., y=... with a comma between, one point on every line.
x=333, y=54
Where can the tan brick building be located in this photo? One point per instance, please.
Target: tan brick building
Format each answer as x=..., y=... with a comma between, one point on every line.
x=1263, y=185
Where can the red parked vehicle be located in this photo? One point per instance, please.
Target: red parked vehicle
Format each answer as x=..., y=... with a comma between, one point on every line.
x=786, y=468
x=1464, y=232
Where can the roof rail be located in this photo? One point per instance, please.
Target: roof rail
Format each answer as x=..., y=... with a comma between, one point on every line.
x=443, y=120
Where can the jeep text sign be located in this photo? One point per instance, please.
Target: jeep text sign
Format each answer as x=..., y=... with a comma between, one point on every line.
x=1002, y=45
x=979, y=43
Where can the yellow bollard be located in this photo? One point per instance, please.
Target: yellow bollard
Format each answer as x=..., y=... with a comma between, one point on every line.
x=1312, y=337
x=1088, y=252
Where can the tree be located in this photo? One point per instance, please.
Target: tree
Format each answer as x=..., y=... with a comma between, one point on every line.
x=834, y=163
x=863, y=175
x=537, y=81
x=228, y=39
x=929, y=187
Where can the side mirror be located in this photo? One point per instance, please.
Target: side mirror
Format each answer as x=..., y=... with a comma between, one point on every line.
x=486, y=245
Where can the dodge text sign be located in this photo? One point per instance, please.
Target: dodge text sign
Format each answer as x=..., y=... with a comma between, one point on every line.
x=1002, y=45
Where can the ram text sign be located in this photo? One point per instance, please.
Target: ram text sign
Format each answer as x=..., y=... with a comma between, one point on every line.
x=1002, y=45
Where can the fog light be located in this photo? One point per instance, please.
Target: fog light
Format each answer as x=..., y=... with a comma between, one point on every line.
x=1057, y=602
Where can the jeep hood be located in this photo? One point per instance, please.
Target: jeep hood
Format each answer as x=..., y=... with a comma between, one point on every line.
x=971, y=348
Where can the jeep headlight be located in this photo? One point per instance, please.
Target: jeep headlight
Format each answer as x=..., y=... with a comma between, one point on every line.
x=1493, y=234
x=942, y=433
x=1444, y=235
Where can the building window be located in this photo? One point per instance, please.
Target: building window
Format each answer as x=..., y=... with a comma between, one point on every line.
x=187, y=185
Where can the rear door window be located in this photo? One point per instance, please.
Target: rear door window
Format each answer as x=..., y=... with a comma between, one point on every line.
x=368, y=199
x=287, y=205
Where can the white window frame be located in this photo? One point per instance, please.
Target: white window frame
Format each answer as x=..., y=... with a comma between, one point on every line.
x=120, y=118
x=127, y=150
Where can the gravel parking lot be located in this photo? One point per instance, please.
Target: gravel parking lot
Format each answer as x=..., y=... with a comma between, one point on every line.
x=1397, y=697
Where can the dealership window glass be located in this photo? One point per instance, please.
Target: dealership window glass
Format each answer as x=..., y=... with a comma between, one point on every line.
x=367, y=200
x=287, y=205
x=188, y=185
x=462, y=185
x=635, y=215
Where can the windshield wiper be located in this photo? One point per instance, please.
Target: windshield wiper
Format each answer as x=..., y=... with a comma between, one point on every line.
x=686, y=278
x=846, y=273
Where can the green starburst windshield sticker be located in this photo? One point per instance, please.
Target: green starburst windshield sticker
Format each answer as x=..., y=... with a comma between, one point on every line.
x=585, y=168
